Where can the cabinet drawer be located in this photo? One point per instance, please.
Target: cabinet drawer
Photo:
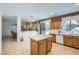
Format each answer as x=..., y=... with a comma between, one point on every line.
x=42, y=41
x=75, y=37
x=68, y=37
x=50, y=38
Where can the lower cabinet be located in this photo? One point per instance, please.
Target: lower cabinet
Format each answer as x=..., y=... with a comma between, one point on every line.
x=68, y=40
x=76, y=42
x=49, y=44
x=53, y=38
x=40, y=47
x=33, y=47
x=72, y=41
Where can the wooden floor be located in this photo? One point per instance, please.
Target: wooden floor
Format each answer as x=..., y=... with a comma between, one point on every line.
x=11, y=47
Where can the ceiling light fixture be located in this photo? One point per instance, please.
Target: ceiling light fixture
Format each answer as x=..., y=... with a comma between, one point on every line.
x=50, y=13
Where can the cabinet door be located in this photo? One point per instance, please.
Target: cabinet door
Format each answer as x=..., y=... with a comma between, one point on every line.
x=53, y=38
x=33, y=47
x=68, y=40
x=49, y=44
x=76, y=42
x=56, y=24
x=42, y=49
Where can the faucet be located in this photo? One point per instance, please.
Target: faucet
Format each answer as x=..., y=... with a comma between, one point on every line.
x=59, y=31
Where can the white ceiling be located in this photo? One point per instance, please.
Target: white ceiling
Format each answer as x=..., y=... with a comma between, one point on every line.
x=38, y=10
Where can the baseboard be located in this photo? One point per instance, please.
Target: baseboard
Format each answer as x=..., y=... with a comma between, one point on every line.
x=59, y=43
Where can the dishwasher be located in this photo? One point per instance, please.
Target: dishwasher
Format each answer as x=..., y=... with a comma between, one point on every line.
x=59, y=39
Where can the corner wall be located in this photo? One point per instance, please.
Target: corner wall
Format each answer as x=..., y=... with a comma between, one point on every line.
x=0, y=29
x=0, y=34
x=6, y=28
x=18, y=28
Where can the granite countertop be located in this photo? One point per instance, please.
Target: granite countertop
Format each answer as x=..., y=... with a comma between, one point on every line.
x=39, y=37
x=64, y=33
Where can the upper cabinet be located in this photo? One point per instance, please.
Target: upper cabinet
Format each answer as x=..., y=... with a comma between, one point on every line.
x=56, y=23
x=66, y=22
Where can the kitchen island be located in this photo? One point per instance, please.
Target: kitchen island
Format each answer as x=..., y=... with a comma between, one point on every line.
x=40, y=44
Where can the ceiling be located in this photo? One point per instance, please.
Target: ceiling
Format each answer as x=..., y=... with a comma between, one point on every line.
x=37, y=10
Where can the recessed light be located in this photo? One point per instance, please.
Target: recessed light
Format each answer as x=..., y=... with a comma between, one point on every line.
x=50, y=13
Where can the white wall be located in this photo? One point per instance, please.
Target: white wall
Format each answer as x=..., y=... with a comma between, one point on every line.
x=18, y=28
x=0, y=34
x=6, y=28
x=0, y=28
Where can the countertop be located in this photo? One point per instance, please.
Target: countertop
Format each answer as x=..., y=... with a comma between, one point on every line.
x=40, y=37
x=63, y=33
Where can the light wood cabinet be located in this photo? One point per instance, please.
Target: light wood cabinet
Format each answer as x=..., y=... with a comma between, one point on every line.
x=68, y=40
x=56, y=23
x=53, y=38
x=76, y=42
x=33, y=47
x=49, y=44
x=72, y=41
x=40, y=47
